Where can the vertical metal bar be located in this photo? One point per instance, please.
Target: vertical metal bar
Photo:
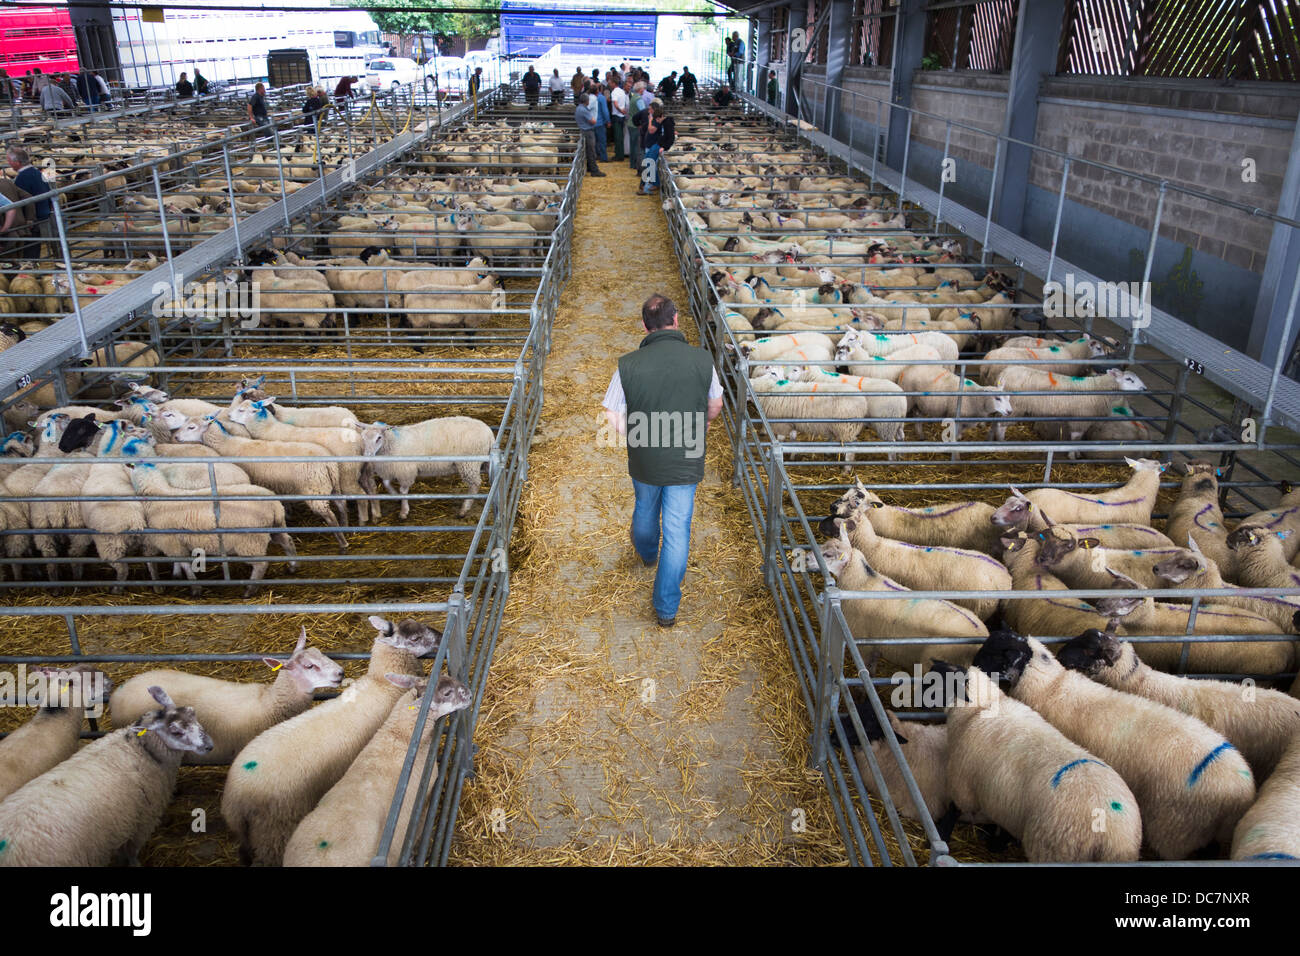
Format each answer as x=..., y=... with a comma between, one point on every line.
x=167, y=243
x=234, y=217
x=907, y=146
x=1056, y=226
x=72, y=283
x=988, y=213
x=875, y=149
x=1135, y=331
x=1280, y=361
x=943, y=173
x=284, y=197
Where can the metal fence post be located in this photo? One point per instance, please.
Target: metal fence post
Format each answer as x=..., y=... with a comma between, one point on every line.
x=1056, y=226
x=72, y=283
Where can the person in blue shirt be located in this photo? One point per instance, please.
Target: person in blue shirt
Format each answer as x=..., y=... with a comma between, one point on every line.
x=602, y=123
x=736, y=48
x=584, y=114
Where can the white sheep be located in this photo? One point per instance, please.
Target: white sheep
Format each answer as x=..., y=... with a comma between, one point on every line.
x=846, y=407
x=1196, y=514
x=1081, y=561
x=930, y=567
x=1192, y=568
x=1261, y=723
x=312, y=416
x=1285, y=517
x=892, y=366
x=1008, y=763
x=880, y=343
x=958, y=524
x=319, y=479
x=1130, y=503
x=1072, y=397
x=942, y=395
x=1048, y=616
x=1270, y=829
x=1191, y=784
x=449, y=436
x=234, y=712
x=52, y=735
x=814, y=346
x=283, y=772
x=1018, y=514
x=100, y=805
x=346, y=826
x=339, y=440
x=889, y=619
x=1261, y=557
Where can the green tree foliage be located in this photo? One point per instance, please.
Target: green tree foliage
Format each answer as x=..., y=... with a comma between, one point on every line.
x=419, y=16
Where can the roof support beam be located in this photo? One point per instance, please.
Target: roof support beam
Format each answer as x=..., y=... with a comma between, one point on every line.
x=1281, y=270
x=909, y=46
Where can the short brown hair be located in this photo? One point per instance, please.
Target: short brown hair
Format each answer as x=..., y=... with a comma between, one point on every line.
x=657, y=312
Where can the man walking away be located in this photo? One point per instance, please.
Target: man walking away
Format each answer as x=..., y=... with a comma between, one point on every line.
x=585, y=117
x=663, y=397
x=773, y=88
x=476, y=82
x=618, y=101
x=532, y=87
x=556, y=85
x=688, y=85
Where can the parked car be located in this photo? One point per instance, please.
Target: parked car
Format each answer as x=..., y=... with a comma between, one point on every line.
x=394, y=71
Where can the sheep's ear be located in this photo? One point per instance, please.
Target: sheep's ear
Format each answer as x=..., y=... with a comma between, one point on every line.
x=1012, y=545
x=273, y=662
x=302, y=640
x=852, y=525
x=404, y=681
x=844, y=535
x=1192, y=545
x=266, y=402
x=1089, y=543
x=1016, y=491
x=1048, y=521
x=160, y=695
x=1130, y=462
x=380, y=625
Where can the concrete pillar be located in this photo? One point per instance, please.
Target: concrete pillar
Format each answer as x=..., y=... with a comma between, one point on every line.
x=798, y=15
x=1037, y=43
x=762, y=47
x=1281, y=272
x=909, y=46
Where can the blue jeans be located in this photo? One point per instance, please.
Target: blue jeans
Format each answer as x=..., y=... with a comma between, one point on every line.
x=601, y=153
x=652, y=154
x=675, y=503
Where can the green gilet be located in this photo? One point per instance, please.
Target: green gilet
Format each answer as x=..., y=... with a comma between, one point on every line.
x=666, y=383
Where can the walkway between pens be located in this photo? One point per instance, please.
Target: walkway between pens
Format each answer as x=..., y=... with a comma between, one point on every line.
x=604, y=738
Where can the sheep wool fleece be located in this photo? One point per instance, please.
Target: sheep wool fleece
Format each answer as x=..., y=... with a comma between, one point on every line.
x=666, y=383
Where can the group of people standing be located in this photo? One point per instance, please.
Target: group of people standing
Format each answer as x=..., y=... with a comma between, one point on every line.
x=57, y=92
x=622, y=109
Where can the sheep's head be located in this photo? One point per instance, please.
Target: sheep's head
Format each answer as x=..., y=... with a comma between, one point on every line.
x=176, y=727
x=53, y=426
x=373, y=437
x=1146, y=464
x=79, y=433
x=1182, y=566
x=1119, y=607
x=1014, y=512
x=449, y=694
x=11, y=331
x=1248, y=537
x=1056, y=544
x=871, y=321
x=1091, y=652
x=1005, y=654
x=850, y=340
x=837, y=552
x=1202, y=477
x=191, y=429
x=247, y=410
x=307, y=666
x=850, y=505
x=1125, y=381
x=410, y=635
x=18, y=444
x=999, y=404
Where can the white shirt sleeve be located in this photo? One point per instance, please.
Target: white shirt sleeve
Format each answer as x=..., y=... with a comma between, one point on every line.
x=615, y=400
x=715, y=387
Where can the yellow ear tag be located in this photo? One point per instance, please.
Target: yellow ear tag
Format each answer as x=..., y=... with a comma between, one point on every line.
x=142, y=732
x=277, y=667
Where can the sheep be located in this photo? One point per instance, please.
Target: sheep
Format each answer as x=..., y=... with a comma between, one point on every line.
x=234, y=712
x=1192, y=568
x=1269, y=829
x=1073, y=397
x=1260, y=723
x=317, y=478
x=118, y=527
x=849, y=407
x=430, y=304
x=205, y=529
x=1018, y=514
x=52, y=735
x=498, y=239
x=101, y=804
x=1197, y=514
x=1047, y=616
x=1131, y=503
x=298, y=302
x=944, y=395
x=453, y=435
x=957, y=524
x=871, y=619
x=931, y=567
x=892, y=366
x=282, y=773
x=1146, y=616
x=1192, y=785
x=813, y=344
x=346, y=826
x=1005, y=761
x=1285, y=517
x=1056, y=355
x=376, y=232
x=925, y=749
x=316, y=416
x=262, y=425
x=1261, y=557
x=62, y=513
x=1081, y=562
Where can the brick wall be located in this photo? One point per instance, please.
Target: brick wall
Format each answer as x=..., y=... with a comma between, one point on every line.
x=974, y=99
x=1191, y=136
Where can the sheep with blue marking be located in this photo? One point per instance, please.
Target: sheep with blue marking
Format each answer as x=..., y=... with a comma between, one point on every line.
x=1270, y=830
x=1006, y=762
x=1191, y=784
x=1197, y=514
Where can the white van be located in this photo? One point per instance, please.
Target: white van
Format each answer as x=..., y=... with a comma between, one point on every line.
x=391, y=72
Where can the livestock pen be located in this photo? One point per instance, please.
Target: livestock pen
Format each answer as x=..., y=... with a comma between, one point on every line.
x=735, y=181
x=382, y=356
